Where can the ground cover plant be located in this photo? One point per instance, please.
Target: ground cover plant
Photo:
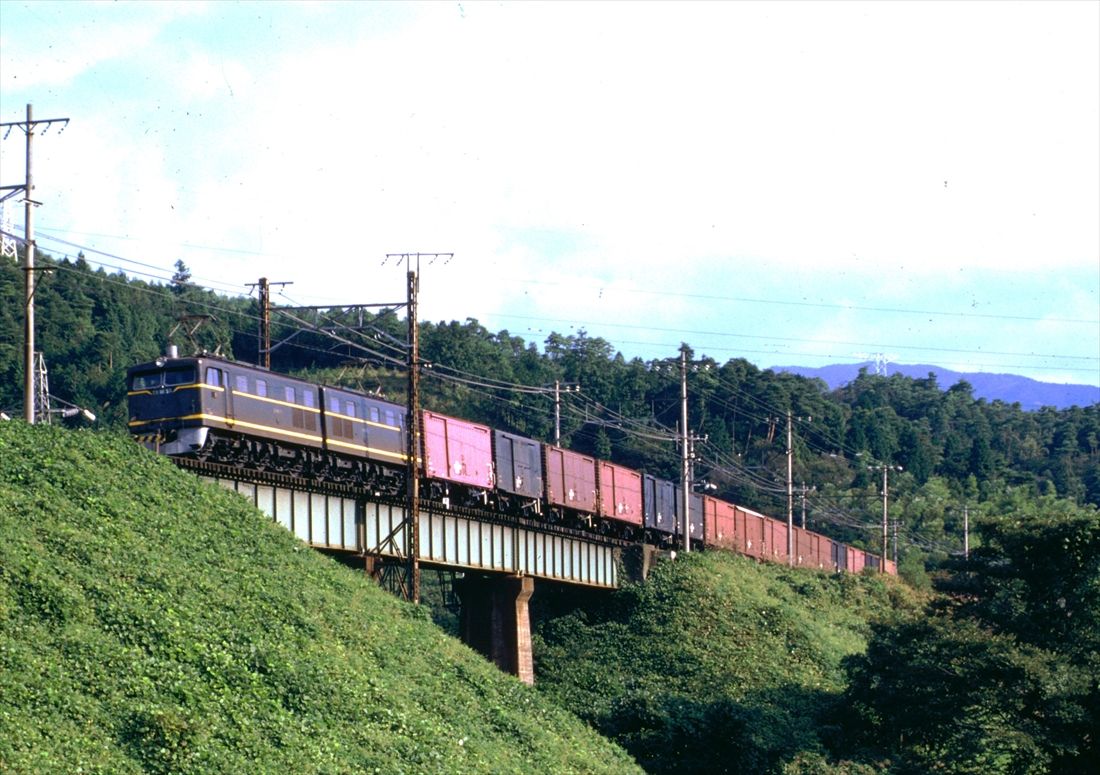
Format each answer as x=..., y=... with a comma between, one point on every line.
x=718, y=663
x=153, y=624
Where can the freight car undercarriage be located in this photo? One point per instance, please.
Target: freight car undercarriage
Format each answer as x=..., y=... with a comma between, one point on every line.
x=304, y=462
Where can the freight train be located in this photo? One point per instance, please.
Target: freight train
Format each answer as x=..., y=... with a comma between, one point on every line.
x=220, y=410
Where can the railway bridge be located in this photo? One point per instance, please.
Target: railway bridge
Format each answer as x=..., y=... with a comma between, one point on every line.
x=493, y=558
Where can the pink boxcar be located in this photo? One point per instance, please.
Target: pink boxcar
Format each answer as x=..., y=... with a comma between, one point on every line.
x=620, y=491
x=720, y=523
x=457, y=451
x=570, y=479
x=856, y=559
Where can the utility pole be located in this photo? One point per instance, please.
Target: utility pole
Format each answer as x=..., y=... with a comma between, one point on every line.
x=557, y=413
x=966, y=532
x=263, y=346
x=885, y=513
x=685, y=452
x=790, y=491
x=790, y=487
x=885, y=518
x=28, y=127
x=413, y=423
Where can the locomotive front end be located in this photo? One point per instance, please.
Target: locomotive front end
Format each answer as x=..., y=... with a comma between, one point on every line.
x=165, y=405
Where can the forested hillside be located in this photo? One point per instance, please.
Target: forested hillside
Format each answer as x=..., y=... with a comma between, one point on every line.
x=960, y=455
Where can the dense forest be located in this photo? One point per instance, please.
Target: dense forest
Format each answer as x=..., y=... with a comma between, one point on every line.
x=999, y=674
x=959, y=457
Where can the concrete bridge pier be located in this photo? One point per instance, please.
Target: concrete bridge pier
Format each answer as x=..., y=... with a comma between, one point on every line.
x=496, y=622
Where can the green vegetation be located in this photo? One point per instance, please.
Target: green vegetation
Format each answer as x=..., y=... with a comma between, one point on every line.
x=722, y=665
x=149, y=623
x=1002, y=675
x=717, y=663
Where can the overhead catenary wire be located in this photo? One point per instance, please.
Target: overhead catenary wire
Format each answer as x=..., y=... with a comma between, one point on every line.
x=892, y=346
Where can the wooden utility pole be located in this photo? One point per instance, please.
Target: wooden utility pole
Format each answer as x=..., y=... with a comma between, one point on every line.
x=28, y=128
x=263, y=343
x=265, y=324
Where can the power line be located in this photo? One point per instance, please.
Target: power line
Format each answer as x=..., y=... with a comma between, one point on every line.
x=787, y=302
x=800, y=340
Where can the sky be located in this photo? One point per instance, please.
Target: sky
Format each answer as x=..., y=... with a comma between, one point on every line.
x=788, y=182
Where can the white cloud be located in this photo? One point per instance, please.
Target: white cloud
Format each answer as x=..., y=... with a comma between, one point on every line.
x=742, y=149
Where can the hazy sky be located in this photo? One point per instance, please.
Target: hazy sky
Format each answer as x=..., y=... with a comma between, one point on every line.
x=781, y=181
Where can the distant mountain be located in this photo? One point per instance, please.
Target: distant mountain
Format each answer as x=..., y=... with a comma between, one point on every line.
x=1029, y=393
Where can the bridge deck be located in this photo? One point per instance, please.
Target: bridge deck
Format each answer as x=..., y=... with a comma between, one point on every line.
x=340, y=518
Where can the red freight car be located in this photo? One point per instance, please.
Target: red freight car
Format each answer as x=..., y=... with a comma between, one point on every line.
x=857, y=559
x=810, y=549
x=570, y=480
x=775, y=538
x=620, y=491
x=749, y=525
x=457, y=451
x=802, y=547
x=823, y=551
x=719, y=520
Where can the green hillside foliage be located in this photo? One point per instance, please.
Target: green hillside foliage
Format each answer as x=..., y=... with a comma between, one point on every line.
x=717, y=664
x=153, y=624
x=1003, y=674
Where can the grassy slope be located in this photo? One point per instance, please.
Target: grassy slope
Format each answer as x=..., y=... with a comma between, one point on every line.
x=717, y=664
x=152, y=624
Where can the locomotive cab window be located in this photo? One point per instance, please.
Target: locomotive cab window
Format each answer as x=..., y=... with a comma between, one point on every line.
x=179, y=376
x=154, y=379
x=374, y=414
x=241, y=385
x=307, y=398
x=146, y=380
x=213, y=377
